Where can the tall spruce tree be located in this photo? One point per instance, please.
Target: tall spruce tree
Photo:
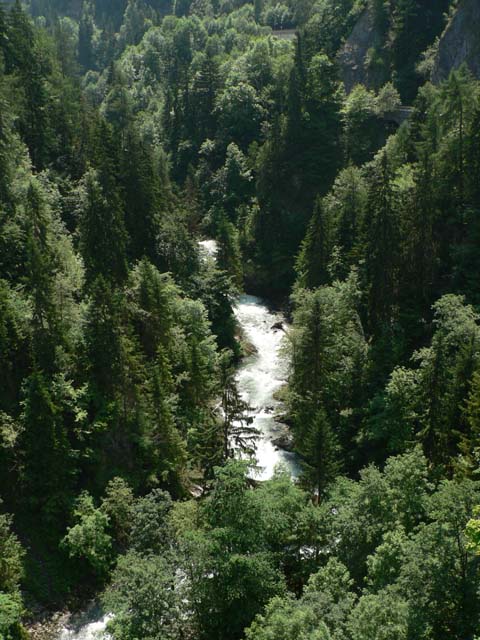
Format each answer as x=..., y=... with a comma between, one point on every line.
x=103, y=237
x=320, y=452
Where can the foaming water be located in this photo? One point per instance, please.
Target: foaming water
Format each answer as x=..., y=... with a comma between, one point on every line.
x=259, y=377
x=209, y=247
x=91, y=625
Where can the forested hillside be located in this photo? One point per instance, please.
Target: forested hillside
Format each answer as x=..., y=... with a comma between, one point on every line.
x=337, y=167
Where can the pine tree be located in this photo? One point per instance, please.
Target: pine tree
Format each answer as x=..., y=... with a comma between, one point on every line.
x=320, y=453
x=34, y=123
x=85, y=37
x=103, y=337
x=19, y=41
x=309, y=346
x=155, y=297
x=48, y=468
x=143, y=196
x=171, y=455
x=14, y=354
x=25, y=56
x=382, y=248
x=40, y=271
x=6, y=144
x=258, y=10
x=234, y=182
x=103, y=237
x=296, y=91
x=237, y=434
x=467, y=259
x=315, y=252
x=470, y=440
x=424, y=259
x=349, y=195
x=200, y=121
x=228, y=255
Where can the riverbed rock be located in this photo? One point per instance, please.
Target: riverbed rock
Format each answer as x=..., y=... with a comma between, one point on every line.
x=47, y=627
x=283, y=419
x=246, y=347
x=196, y=491
x=284, y=440
x=278, y=326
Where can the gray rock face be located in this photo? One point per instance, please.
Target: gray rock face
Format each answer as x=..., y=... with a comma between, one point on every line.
x=460, y=42
x=353, y=56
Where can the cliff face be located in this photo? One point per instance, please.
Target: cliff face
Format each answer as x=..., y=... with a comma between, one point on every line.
x=353, y=56
x=460, y=42
x=371, y=58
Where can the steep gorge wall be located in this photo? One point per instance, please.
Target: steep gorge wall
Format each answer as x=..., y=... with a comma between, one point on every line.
x=460, y=42
x=365, y=57
x=353, y=56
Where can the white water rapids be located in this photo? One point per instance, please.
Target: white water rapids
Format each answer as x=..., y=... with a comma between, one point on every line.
x=89, y=625
x=259, y=377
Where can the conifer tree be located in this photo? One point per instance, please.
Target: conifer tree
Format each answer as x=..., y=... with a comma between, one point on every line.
x=47, y=334
x=315, y=251
x=470, y=441
x=467, y=256
x=258, y=9
x=47, y=469
x=155, y=296
x=423, y=275
x=237, y=434
x=320, y=452
x=382, y=246
x=228, y=255
x=143, y=197
x=349, y=199
x=24, y=55
x=103, y=237
x=234, y=182
x=19, y=43
x=103, y=336
x=170, y=450
x=200, y=121
x=85, y=37
x=6, y=144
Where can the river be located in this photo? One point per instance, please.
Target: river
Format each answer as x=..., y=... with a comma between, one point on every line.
x=260, y=375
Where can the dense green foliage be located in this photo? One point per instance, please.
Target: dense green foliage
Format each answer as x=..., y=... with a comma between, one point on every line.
x=128, y=130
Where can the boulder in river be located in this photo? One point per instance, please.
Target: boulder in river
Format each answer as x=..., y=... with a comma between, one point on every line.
x=284, y=440
x=283, y=419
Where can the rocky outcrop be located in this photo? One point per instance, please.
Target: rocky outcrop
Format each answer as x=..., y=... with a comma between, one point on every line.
x=284, y=440
x=460, y=42
x=353, y=57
